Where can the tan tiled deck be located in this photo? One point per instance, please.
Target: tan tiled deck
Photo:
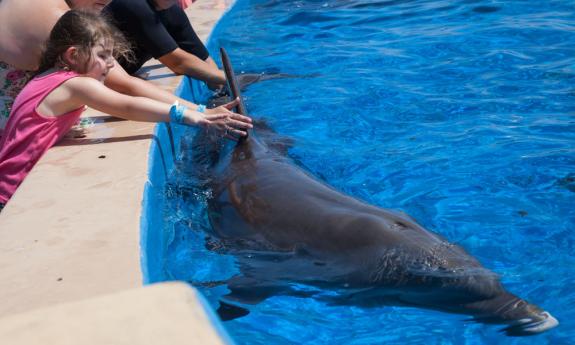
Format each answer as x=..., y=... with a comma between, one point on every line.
x=72, y=230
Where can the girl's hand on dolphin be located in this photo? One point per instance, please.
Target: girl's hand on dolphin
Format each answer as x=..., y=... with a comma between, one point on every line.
x=223, y=122
x=226, y=108
x=229, y=125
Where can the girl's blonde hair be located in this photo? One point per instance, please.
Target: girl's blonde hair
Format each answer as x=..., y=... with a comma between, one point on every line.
x=83, y=30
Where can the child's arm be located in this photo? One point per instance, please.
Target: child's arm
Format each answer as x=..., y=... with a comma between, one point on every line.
x=89, y=91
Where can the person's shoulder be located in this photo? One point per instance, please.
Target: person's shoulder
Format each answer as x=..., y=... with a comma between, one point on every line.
x=173, y=11
x=81, y=83
x=174, y=15
x=133, y=7
x=44, y=5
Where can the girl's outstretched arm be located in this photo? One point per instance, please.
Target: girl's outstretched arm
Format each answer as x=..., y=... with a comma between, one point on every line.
x=90, y=92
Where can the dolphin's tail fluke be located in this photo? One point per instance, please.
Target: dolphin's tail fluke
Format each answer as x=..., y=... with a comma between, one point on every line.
x=532, y=325
x=521, y=317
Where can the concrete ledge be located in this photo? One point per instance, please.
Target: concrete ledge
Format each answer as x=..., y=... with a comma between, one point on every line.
x=72, y=230
x=169, y=313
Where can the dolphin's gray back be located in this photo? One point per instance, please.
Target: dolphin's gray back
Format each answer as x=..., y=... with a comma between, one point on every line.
x=262, y=196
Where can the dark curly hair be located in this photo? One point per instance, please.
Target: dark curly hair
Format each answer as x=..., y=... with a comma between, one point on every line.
x=83, y=30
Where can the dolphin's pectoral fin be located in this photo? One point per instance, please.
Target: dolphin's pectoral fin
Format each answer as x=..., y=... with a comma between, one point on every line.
x=253, y=294
x=250, y=291
x=228, y=312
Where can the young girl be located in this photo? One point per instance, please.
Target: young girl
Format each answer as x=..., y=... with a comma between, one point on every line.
x=78, y=55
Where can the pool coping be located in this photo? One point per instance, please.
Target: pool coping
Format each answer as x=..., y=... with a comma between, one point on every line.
x=168, y=313
x=72, y=230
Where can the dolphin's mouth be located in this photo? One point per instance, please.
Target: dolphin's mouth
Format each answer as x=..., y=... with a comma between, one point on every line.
x=531, y=326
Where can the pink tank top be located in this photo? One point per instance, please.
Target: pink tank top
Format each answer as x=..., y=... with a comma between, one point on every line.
x=28, y=135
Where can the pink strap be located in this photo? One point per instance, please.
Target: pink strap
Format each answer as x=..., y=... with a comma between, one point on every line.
x=185, y=3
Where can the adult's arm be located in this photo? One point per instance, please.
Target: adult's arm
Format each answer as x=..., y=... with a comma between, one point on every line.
x=167, y=36
x=182, y=62
x=120, y=81
x=190, y=56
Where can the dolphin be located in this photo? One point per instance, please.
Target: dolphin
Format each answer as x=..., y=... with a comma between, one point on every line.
x=285, y=226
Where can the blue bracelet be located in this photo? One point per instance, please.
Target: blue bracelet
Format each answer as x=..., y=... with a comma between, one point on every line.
x=177, y=112
x=201, y=108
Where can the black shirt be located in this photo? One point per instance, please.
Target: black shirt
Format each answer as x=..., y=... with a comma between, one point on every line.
x=153, y=33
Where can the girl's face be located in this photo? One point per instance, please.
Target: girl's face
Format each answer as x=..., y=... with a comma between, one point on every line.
x=100, y=63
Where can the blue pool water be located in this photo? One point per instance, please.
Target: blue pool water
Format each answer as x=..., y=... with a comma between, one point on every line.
x=460, y=113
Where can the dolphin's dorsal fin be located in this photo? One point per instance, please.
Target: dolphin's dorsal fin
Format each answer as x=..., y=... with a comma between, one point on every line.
x=232, y=82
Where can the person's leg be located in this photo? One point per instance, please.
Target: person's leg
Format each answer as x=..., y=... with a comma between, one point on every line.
x=2, y=207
